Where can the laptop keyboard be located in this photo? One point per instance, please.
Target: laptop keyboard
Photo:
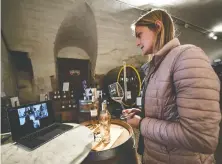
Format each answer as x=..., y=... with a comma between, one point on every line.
x=42, y=132
x=38, y=138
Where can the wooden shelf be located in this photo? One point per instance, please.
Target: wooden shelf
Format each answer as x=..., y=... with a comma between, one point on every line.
x=66, y=114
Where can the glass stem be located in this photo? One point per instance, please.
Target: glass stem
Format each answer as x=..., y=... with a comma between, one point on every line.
x=122, y=105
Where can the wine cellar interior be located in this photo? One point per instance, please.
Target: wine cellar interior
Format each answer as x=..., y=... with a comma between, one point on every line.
x=81, y=58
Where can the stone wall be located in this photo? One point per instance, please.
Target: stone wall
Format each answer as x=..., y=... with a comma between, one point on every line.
x=32, y=26
x=8, y=82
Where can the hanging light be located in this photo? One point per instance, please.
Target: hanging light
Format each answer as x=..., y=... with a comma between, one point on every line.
x=217, y=28
x=215, y=37
x=157, y=3
x=133, y=27
x=211, y=35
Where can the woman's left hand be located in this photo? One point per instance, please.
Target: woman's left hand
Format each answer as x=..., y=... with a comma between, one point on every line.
x=134, y=121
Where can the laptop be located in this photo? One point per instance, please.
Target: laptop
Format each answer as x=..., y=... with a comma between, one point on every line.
x=32, y=125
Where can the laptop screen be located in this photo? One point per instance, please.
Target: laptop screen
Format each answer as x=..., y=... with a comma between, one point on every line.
x=30, y=118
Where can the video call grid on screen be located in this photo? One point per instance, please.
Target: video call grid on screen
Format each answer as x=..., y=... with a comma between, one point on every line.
x=33, y=113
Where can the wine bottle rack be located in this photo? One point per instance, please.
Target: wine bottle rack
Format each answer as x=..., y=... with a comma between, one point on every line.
x=65, y=106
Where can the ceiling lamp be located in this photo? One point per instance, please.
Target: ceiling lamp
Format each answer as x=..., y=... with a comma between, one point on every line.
x=211, y=35
x=215, y=37
x=157, y=3
x=217, y=28
x=160, y=3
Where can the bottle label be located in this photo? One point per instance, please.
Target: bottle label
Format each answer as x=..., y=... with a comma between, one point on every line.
x=128, y=95
x=93, y=113
x=103, y=116
x=93, y=98
x=104, y=107
x=139, y=101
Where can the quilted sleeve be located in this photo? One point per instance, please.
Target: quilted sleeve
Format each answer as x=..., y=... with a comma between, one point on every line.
x=197, y=98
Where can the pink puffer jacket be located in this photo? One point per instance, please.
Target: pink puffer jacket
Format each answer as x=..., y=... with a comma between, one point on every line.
x=182, y=112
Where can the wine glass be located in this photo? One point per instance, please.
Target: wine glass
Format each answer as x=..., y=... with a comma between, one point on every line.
x=116, y=93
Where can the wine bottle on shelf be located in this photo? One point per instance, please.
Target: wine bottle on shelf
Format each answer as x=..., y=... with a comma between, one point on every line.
x=58, y=95
x=69, y=105
x=55, y=95
x=139, y=101
x=84, y=96
x=63, y=105
x=72, y=94
x=16, y=103
x=90, y=94
x=84, y=85
x=105, y=122
x=73, y=103
x=46, y=97
x=64, y=95
x=93, y=98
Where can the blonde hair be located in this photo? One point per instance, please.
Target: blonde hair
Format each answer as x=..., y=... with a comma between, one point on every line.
x=166, y=33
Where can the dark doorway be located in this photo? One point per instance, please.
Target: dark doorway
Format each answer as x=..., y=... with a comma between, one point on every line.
x=73, y=71
x=24, y=76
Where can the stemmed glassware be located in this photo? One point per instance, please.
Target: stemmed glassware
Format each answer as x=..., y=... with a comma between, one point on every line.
x=116, y=93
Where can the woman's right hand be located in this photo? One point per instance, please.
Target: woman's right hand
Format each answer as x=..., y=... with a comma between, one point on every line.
x=130, y=112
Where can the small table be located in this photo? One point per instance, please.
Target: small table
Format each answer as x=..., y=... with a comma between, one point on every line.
x=72, y=146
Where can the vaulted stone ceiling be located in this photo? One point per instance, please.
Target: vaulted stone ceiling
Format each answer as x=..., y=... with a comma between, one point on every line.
x=78, y=29
x=39, y=27
x=203, y=13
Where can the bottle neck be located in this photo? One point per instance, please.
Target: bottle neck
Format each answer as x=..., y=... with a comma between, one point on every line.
x=104, y=106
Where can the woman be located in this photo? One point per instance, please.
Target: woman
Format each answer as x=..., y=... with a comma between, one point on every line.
x=180, y=97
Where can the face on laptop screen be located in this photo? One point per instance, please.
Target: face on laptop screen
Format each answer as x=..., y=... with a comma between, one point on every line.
x=32, y=115
x=30, y=118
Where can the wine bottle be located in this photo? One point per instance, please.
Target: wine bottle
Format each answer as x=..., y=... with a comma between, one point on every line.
x=63, y=105
x=99, y=102
x=139, y=101
x=64, y=94
x=105, y=123
x=16, y=103
x=55, y=95
x=94, y=113
x=72, y=94
x=69, y=105
x=46, y=97
x=73, y=103
x=58, y=95
x=84, y=96
x=90, y=94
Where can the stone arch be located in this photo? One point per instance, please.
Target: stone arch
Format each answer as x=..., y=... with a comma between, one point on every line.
x=78, y=29
x=73, y=52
